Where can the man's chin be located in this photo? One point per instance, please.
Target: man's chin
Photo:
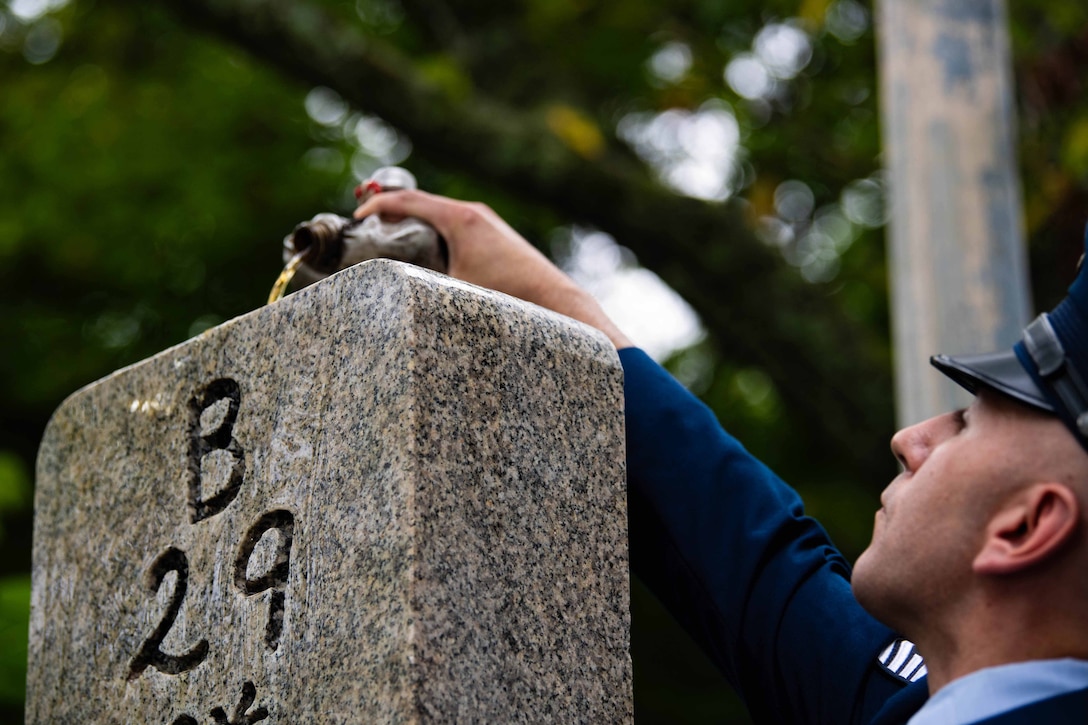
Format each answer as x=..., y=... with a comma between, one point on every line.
x=874, y=588
x=861, y=580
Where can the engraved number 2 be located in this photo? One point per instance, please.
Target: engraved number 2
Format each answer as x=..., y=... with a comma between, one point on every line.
x=150, y=652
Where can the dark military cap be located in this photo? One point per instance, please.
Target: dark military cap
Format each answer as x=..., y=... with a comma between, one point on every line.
x=1047, y=369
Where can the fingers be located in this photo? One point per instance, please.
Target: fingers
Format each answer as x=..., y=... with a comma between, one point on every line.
x=409, y=202
x=462, y=224
x=487, y=251
x=483, y=248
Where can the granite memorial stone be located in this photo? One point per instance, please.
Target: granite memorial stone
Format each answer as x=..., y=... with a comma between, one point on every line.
x=389, y=498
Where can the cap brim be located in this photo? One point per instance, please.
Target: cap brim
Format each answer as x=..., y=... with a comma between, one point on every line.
x=1000, y=371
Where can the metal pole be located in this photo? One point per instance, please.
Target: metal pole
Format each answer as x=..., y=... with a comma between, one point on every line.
x=957, y=264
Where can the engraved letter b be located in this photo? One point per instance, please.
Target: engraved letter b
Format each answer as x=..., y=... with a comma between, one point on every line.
x=213, y=412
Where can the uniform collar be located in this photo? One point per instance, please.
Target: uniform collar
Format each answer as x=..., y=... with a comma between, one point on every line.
x=995, y=690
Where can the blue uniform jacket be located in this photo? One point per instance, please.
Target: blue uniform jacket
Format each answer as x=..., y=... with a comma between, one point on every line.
x=725, y=545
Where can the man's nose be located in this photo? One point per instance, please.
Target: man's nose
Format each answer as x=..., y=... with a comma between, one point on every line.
x=911, y=446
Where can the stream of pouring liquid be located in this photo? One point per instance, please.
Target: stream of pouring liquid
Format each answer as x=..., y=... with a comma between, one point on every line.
x=285, y=277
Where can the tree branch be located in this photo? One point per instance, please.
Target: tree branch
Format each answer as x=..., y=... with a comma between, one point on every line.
x=757, y=309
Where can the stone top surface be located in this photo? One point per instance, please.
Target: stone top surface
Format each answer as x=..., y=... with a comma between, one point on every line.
x=391, y=497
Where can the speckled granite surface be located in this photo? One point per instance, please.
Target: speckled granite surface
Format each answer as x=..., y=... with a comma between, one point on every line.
x=389, y=498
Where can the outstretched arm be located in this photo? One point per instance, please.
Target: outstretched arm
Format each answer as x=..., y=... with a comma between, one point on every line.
x=726, y=546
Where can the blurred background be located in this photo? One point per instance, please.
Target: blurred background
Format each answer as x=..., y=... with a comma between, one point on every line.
x=710, y=170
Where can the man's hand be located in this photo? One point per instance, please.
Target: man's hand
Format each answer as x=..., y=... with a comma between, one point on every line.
x=485, y=250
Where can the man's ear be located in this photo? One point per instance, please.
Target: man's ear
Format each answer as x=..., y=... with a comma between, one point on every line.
x=1028, y=529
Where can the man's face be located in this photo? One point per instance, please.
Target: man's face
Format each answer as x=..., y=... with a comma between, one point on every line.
x=957, y=469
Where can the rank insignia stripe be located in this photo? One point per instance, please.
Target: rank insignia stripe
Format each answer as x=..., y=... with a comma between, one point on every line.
x=901, y=660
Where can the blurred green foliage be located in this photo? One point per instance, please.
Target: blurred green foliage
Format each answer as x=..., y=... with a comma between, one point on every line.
x=14, y=615
x=149, y=173
x=15, y=496
x=14, y=483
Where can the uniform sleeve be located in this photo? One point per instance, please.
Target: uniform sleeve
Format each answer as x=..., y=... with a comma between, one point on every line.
x=725, y=545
